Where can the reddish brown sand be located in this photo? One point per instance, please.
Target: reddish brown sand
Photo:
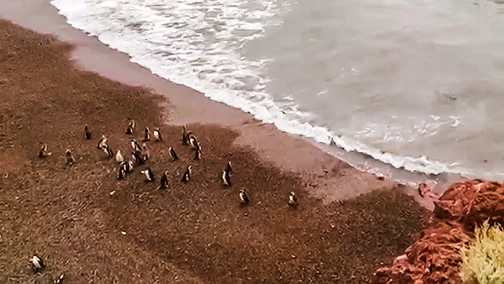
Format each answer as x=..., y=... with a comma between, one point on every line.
x=190, y=233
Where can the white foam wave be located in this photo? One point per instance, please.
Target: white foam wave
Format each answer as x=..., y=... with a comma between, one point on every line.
x=197, y=43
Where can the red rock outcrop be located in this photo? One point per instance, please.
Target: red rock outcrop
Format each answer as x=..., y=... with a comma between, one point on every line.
x=435, y=257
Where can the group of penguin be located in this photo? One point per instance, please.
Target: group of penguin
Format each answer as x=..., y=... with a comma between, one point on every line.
x=139, y=156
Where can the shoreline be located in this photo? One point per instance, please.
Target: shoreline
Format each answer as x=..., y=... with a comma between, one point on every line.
x=320, y=170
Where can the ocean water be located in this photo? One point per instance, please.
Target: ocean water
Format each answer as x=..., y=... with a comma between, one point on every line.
x=417, y=85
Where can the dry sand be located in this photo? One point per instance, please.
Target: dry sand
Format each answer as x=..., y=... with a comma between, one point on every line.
x=192, y=233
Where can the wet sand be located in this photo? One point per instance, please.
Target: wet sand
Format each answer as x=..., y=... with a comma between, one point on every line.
x=191, y=233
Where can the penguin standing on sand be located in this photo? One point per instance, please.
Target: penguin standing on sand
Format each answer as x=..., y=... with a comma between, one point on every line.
x=164, y=181
x=119, y=157
x=87, y=133
x=131, y=127
x=135, y=146
x=226, y=179
x=198, y=153
x=185, y=135
x=157, y=135
x=147, y=134
x=37, y=263
x=127, y=166
x=137, y=157
x=193, y=141
x=108, y=151
x=244, y=198
x=102, y=143
x=173, y=154
x=70, y=160
x=149, y=175
x=122, y=173
x=293, y=202
x=145, y=152
x=42, y=153
x=187, y=174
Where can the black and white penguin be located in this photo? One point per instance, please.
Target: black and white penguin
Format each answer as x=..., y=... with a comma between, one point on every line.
x=164, y=181
x=147, y=134
x=145, y=152
x=293, y=202
x=87, y=133
x=108, y=151
x=137, y=157
x=102, y=143
x=135, y=146
x=193, y=141
x=131, y=127
x=157, y=135
x=228, y=169
x=37, y=263
x=149, y=175
x=43, y=150
x=60, y=279
x=173, y=154
x=244, y=198
x=119, y=157
x=226, y=180
x=70, y=160
x=185, y=135
x=187, y=174
x=127, y=166
x=198, y=153
x=121, y=173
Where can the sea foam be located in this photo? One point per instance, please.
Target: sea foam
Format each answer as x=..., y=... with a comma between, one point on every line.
x=197, y=44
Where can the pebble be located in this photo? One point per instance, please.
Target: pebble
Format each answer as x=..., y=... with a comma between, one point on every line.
x=123, y=233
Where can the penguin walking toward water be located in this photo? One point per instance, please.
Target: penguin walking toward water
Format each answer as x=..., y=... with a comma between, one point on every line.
x=164, y=181
x=157, y=135
x=131, y=127
x=87, y=133
x=198, y=153
x=102, y=143
x=70, y=159
x=135, y=146
x=147, y=134
x=293, y=201
x=226, y=179
x=173, y=154
x=119, y=157
x=187, y=174
x=145, y=152
x=228, y=169
x=149, y=175
x=37, y=263
x=42, y=153
x=244, y=198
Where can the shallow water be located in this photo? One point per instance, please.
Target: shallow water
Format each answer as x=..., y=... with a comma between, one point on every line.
x=415, y=84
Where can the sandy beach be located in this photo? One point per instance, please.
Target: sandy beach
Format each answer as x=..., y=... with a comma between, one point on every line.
x=96, y=229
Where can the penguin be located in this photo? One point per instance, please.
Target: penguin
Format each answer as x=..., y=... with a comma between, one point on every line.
x=108, y=151
x=131, y=127
x=198, y=153
x=135, y=146
x=122, y=173
x=37, y=263
x=87, y=133
x=149, y=175
x=157, y=135
x=193, y=141
x=137, y=157
x=102, y=143
x=119, y=157
x=127, y=166
x=293, y=202
x=147, y=134
x=145, y=152
x=187, y=174
x=43, y=150
x=173, y=154
x=185, y=134
x=226, y=180
x=164, y=181
x=243, y=197
x=228, y=169
x=60, y=279
x=70, y=160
